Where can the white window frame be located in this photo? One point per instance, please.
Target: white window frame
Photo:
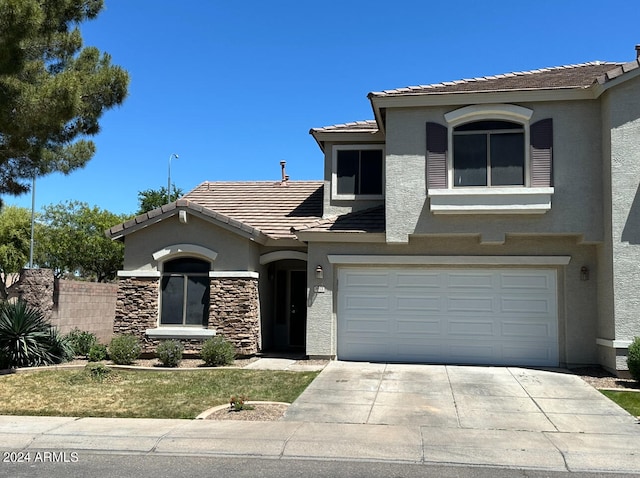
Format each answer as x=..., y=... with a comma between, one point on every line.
x=514, y=199
x=474, y=113
x=334, y=170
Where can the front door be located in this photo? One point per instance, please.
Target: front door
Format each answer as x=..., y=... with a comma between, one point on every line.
x=291, y=309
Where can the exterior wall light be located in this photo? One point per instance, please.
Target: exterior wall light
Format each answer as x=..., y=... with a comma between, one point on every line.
x=584, y=273
x=319, y=272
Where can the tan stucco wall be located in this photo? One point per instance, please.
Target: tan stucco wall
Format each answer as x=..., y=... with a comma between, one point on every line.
x=235, y=253
x=576, y=203
x=577, y=314
x=620, y=254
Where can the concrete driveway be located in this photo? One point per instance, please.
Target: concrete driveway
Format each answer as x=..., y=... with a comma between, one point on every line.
x=458, y=398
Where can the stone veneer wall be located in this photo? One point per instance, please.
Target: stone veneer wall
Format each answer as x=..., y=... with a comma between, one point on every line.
x=35, y=287
x=137, y=309
x=233, y=313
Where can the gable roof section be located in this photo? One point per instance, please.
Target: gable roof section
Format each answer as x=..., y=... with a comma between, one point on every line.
x=258, y=210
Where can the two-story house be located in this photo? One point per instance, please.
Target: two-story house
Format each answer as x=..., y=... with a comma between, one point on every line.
x=493, y=220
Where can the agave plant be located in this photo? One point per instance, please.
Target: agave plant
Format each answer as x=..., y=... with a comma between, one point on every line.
x=27, y=339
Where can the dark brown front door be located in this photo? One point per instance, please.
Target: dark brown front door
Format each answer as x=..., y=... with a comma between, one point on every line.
x=291, y=309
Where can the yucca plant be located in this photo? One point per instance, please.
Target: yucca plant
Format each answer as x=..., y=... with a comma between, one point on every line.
x=27, y=339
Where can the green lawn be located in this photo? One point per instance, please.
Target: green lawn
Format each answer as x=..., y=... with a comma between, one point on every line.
x=142, y=394
x=630, y=401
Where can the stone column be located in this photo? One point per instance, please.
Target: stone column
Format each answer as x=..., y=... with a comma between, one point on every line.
x=36, y=287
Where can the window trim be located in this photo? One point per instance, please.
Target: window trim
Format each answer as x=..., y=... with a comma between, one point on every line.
x=334, y=170
x=474, y=113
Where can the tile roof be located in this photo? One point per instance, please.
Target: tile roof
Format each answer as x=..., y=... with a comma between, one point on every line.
x=370, y=220
x=569, y=76
x=267, y=206
x=366, y=126
x=257, y=209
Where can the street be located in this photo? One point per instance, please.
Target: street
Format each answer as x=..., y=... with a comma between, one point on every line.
x=166, y=466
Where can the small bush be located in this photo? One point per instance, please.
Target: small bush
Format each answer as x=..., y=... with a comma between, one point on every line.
x=97, y=371
x=217, y=351
x=633, y=359
x=169, y=352
x=124, y=349
x=81, y=342
x=97, y=352
x=239, y=403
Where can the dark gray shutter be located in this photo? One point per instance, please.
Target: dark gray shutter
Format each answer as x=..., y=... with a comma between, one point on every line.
x=436, y=156
x=541, y=134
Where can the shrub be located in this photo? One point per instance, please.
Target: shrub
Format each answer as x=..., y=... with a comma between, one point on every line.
x=97, y=352
x=124, y=349
x=97, y=371
x=169, y=352
x=81, y=342
x=239, y=403
x=217, y=351
x=27, y=339
x=633, y=359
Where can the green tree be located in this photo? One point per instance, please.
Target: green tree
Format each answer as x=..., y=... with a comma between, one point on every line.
x=53, y=90
x=15, y=237
x=71, y=240
x=151, y=199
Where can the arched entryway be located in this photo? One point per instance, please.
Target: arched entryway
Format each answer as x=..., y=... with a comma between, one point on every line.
x=284, y=326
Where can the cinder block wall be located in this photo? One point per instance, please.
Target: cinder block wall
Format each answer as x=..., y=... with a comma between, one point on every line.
x=88, y=306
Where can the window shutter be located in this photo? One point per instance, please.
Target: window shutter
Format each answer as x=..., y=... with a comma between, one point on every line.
x=542, y=153
x=436, y=156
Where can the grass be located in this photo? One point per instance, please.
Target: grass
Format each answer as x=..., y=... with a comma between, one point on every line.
x=630, y=401
x=142, y=394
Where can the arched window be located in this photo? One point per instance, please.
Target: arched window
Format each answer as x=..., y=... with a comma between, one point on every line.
x=488, y=153
x=185, y=292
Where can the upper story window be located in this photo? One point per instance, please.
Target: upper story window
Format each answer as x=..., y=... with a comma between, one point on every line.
x=357, y=172
x=488, y=153
x=184, y=298
x=490, y=159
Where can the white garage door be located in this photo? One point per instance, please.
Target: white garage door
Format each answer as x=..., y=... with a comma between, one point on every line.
x=476, y=316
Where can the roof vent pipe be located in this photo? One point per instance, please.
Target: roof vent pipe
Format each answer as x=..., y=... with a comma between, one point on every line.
x=285, y=177
x=637, y=51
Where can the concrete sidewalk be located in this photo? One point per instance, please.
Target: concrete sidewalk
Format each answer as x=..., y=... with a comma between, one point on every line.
x=574, y=442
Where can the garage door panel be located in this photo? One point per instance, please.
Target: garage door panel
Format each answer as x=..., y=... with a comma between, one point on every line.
x=470, y=304
x=423, y=281
x=367, y=324
x=367, y=279
x=485, y=316
x=528, y=330
x=469, y=280
x=524, y=305
x=417, y=325
x=471, y=329
x=424, y=304
x=524, y=281
x=358, y=303
x=527, y=354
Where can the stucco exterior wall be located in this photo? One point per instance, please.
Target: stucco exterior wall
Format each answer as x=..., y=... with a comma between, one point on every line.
x=234, y=252
x=623, y=240
x=577, y=314
x=576, y=203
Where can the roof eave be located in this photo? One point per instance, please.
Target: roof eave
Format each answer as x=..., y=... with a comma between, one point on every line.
x=341, y=236
x=479, y=97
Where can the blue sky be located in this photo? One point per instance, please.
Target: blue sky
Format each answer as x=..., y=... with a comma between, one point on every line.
x=234, y=87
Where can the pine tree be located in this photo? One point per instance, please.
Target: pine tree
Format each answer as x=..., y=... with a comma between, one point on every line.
x=53, y=90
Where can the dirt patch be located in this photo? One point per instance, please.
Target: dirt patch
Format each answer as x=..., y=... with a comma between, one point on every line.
x=263, y=412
